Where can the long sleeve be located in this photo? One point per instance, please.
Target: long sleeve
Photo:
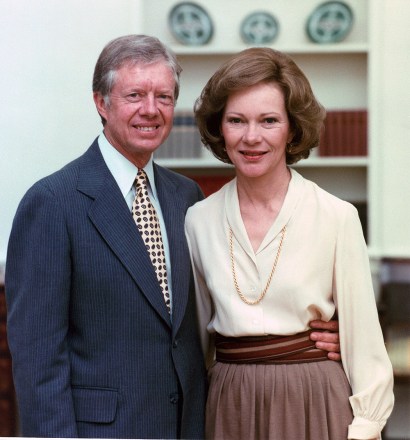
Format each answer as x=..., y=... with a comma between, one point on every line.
x=37, y=288
x=203, y=302
x=365, y=359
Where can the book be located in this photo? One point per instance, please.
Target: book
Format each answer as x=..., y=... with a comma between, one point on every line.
x=184, y=141
x=344, y=133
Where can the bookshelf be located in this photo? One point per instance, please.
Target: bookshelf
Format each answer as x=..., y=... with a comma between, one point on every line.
x=338, y=73
x=355, y=75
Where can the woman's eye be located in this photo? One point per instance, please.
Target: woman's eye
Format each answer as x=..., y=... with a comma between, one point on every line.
x=270, y=120
x=234, y=120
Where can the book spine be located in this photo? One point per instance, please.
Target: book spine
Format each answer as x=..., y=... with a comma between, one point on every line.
x=344, y=134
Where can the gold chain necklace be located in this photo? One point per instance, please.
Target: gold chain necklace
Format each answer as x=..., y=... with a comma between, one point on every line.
x=235, y=280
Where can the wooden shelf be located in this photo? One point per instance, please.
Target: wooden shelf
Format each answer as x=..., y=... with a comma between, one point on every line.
x=192, y=163
x=312, y=162
x=341, y=161
x=308, y=48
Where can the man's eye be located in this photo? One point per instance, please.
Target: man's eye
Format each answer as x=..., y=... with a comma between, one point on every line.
x=133, y=97
x=166, y=99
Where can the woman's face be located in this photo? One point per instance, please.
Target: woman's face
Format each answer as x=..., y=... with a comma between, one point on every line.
x=256, y=129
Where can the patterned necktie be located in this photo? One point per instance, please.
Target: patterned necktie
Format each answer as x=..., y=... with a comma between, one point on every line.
x=147, y=222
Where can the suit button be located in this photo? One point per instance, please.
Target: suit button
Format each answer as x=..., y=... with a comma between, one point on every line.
x=175, y=343
x=173, y=398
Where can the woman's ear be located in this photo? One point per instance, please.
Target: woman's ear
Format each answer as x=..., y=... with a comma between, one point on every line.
x=291, y=135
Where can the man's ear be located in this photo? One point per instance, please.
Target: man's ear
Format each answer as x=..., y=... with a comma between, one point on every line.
x=101, y=106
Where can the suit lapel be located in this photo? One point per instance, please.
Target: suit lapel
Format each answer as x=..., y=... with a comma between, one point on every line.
x=111, y=217
x=173, y=208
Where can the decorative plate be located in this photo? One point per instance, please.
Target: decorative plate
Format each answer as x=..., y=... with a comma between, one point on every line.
x=259, y=28
x=190, y=24
x=330, y=22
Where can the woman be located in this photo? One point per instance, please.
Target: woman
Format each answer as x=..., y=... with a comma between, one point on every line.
x=272, y=251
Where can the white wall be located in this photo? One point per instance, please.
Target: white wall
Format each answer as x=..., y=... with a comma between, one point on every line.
x=390, y=128
x=48, y=49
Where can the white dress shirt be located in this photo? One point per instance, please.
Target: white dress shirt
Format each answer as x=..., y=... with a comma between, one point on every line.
x=124, y=173
x=323, y=267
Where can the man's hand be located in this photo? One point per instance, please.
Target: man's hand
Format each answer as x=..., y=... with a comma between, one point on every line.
x=325, y=340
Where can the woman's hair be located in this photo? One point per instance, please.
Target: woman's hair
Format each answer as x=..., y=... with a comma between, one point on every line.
x=131, y=50
x=248, y=68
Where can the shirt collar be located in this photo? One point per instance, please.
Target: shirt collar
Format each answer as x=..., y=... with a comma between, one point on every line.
x=124, y=171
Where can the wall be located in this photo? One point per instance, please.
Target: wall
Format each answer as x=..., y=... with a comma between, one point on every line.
x=390, y=128
x=48, y=50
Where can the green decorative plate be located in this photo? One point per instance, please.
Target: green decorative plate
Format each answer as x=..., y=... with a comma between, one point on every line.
x=330, y=22
x=259, y=28
x=190, y=24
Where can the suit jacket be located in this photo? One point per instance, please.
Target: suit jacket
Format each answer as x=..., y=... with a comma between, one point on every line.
x=95, y=353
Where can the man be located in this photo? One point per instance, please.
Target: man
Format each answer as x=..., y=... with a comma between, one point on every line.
x=97, y=349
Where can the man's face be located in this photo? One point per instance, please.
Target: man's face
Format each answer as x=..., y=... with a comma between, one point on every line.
x=140, y=111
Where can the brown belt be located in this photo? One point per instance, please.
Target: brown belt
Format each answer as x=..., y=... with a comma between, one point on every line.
x=268, y=349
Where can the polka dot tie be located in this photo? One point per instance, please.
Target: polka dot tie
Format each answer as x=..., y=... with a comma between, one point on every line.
x=147, y=222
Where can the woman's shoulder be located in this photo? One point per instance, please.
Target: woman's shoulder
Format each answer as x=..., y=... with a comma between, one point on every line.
x=317, y=196
x=324, y=194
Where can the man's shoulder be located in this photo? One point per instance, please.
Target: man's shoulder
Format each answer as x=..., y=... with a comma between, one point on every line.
x=178, y=180
x=173, y=175
x=67, y=176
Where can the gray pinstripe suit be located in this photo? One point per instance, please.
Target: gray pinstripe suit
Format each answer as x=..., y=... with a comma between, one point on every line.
x=94, y=351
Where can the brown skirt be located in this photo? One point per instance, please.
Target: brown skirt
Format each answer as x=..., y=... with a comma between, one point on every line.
x=304, y=401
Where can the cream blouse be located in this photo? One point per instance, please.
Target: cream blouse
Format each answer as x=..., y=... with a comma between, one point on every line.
x=323, y=267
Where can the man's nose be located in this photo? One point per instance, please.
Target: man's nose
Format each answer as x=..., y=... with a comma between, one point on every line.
x=149, y=106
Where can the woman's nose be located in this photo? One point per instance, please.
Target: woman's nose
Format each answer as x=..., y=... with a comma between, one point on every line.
x=251, y=134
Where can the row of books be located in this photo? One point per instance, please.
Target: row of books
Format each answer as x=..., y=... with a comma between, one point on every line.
x=184, y=141
x=344, y=134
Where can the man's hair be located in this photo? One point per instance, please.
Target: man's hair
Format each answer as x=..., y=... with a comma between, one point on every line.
x=131, y=50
